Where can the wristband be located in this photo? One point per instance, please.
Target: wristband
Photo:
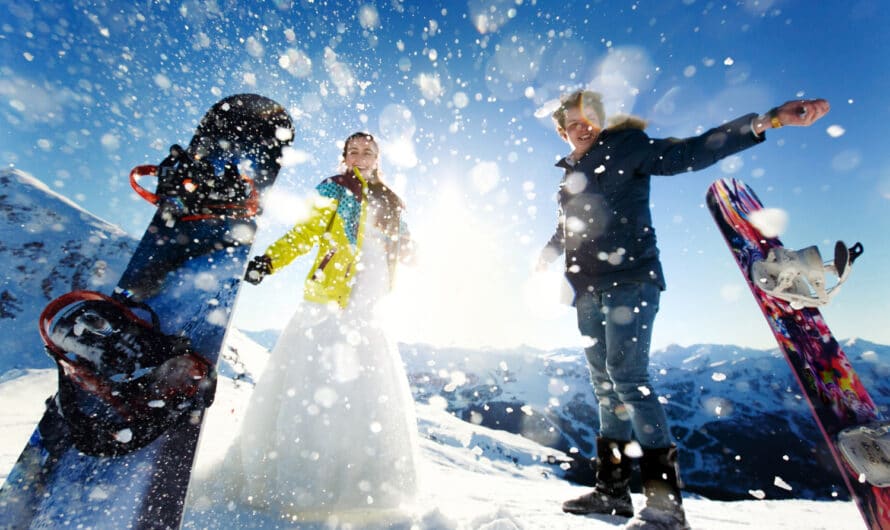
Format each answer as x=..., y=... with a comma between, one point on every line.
x=774, y=120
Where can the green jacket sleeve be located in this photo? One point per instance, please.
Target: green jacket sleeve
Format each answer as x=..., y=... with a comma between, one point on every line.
x=304, y=235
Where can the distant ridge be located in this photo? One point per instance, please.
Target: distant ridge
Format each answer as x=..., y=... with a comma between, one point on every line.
x=735, y=412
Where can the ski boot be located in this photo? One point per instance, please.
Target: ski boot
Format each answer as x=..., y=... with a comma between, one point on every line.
x=798, y=276
x=121, y=381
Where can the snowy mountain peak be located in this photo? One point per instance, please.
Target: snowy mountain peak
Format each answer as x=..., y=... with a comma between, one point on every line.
x=48, y=246
x=23, y=191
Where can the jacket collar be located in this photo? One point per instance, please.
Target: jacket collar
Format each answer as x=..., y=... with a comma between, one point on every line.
x=600, y=140
x=358, y=174
x=352, y=181
x=619, y=123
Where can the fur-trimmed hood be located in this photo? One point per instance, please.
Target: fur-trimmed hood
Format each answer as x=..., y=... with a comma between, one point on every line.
x=621, y=122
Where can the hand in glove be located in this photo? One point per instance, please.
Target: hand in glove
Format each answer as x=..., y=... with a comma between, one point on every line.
x=258, y=268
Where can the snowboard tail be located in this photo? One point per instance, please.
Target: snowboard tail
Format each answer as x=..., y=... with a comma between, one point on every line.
x=116, y=444
x=837, y=398
x=124, y=381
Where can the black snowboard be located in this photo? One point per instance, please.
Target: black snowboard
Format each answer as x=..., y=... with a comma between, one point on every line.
x=137, y=366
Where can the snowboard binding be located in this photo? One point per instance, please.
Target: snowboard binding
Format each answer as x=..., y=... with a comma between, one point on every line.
x=122, y=382
x=798, y=276
x=189, y=188
x=866, y=448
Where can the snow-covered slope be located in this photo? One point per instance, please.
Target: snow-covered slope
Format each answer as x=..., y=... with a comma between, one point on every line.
x=730, y=407
x=472, y=477
x=743, y=428
x=48, y=246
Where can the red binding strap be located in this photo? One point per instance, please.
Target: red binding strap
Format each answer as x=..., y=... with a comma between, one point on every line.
x=144, y=171
x=49, y=312
x=249, y=209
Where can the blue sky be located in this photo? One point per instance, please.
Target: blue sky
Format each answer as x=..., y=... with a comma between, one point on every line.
x=90, y=89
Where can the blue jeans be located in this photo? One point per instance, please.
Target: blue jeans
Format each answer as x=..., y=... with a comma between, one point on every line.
x=618, y=323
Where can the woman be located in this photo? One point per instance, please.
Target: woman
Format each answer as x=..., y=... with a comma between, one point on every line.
x=330, y=428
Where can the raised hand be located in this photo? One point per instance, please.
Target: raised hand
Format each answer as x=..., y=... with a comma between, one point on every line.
x=800, y=112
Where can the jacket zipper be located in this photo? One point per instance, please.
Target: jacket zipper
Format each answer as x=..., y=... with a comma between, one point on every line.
x=324, y=263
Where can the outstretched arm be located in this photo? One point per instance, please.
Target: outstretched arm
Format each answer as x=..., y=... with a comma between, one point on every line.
x=798, y=112
x=670, y=156
x=297, y=241
x=303, y=236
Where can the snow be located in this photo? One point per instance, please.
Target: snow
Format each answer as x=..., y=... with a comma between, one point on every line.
x=89, y=89
x=771, y=222
x=472, y=477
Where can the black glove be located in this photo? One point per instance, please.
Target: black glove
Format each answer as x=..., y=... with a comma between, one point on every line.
x=258, y=268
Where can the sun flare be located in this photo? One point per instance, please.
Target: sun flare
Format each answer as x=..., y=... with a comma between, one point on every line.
x=465, y=287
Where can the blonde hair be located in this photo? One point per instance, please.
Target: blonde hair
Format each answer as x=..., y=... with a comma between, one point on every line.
x=576, y=100
x=594, y=101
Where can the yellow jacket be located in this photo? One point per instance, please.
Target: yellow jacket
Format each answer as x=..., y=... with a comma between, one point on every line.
x=336, y=224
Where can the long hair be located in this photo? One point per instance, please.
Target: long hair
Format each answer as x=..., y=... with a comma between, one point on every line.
x=388, y=204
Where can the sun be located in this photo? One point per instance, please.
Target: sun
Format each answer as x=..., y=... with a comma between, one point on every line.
x=468, y=287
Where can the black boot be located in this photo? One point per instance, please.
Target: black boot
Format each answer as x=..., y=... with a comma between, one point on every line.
x=661, y=486
x=611, y=495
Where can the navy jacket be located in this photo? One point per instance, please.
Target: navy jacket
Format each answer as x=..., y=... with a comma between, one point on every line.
x=605, y=225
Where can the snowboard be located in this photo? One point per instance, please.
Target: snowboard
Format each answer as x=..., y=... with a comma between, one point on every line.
x=136, y=366
x=840, y=404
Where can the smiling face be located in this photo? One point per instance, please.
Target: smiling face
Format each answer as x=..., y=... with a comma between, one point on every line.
x=581, y=129
x=362, y=152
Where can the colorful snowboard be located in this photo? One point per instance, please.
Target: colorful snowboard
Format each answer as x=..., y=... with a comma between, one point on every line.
x=834, y=392
x=137, y=366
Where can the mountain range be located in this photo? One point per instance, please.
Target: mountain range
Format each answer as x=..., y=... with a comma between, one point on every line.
x=743, y=428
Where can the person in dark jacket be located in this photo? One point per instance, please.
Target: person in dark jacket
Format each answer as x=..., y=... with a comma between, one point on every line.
x=611, y=261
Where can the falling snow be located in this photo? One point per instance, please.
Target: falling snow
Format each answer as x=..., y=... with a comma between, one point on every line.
x=459, y=98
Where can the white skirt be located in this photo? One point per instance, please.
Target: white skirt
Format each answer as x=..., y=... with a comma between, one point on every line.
x=331, y=427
